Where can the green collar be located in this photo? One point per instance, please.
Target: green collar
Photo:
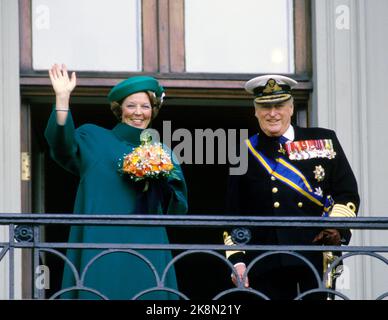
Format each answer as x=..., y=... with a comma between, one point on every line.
x=127, y=133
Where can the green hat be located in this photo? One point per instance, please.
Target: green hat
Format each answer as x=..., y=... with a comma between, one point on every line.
x=133, y=85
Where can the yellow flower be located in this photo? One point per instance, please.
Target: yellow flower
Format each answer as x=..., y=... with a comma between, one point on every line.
x=147, y=161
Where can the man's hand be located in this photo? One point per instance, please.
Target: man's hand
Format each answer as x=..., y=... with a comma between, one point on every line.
x=240, y=269
x=328, y=237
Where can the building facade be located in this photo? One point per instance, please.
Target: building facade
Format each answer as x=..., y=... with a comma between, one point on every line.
x=336, y=54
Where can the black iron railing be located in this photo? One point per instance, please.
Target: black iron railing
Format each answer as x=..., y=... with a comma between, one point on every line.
x=25, y=233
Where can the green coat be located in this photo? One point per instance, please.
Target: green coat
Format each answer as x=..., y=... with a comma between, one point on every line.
x=92, y=153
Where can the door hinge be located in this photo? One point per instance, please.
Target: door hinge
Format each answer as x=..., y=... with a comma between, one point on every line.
x=26, y=166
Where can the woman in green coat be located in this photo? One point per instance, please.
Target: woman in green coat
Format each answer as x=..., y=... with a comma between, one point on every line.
x=93, y=153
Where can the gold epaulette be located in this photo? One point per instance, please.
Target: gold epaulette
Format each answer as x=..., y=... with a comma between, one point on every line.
x=228, y=241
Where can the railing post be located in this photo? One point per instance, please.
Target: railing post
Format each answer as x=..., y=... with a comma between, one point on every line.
x=38, y=293
x=11, y=261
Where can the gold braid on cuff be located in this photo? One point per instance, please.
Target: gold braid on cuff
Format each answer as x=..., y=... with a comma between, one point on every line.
x=342, y=211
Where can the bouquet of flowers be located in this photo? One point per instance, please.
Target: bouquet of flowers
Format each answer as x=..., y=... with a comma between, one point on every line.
x=149, y=160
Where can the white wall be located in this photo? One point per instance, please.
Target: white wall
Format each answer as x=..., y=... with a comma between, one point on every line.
x=377, y=110
x=350, y=96
x=10, y=201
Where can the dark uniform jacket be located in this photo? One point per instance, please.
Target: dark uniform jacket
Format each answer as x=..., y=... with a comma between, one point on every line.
x=258, y=193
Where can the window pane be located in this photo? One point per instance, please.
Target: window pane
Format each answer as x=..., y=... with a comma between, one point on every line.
x=87, y=35
x=242, y=36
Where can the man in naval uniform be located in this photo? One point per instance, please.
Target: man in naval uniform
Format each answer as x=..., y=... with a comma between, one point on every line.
x=292, y=171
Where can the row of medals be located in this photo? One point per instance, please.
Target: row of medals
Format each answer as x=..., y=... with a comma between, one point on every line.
x=308, y=149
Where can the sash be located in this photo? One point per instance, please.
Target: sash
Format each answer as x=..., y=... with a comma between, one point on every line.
x=289, y=175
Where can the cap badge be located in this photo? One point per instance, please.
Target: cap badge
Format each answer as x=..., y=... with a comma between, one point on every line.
x=271, y=86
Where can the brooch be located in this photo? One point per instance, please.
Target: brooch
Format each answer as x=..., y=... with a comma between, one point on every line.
x=319, y=173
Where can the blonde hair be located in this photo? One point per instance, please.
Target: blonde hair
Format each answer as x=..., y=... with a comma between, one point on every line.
x=156, y=103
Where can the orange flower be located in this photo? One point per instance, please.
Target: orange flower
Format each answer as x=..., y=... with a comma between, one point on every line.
x=146, y=161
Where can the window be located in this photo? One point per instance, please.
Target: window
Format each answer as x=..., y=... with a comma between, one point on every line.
x=191, y=45
x=87, y=35
x=248, y=36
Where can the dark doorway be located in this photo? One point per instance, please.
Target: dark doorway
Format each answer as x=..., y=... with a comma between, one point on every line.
x=200, y=276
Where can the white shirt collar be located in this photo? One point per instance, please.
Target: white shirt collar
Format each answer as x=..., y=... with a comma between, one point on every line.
x=290, y=133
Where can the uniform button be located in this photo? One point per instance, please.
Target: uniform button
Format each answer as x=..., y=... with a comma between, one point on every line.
x=300, y=204
x=276, y=204
x=273, y=178
x=274, y=190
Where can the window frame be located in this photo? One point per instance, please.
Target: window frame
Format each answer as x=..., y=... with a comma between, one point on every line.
x=163, y=57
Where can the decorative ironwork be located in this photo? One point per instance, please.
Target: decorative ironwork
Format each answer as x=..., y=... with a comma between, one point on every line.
x=28, y=226
x=24, y=233
x=241, y=235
